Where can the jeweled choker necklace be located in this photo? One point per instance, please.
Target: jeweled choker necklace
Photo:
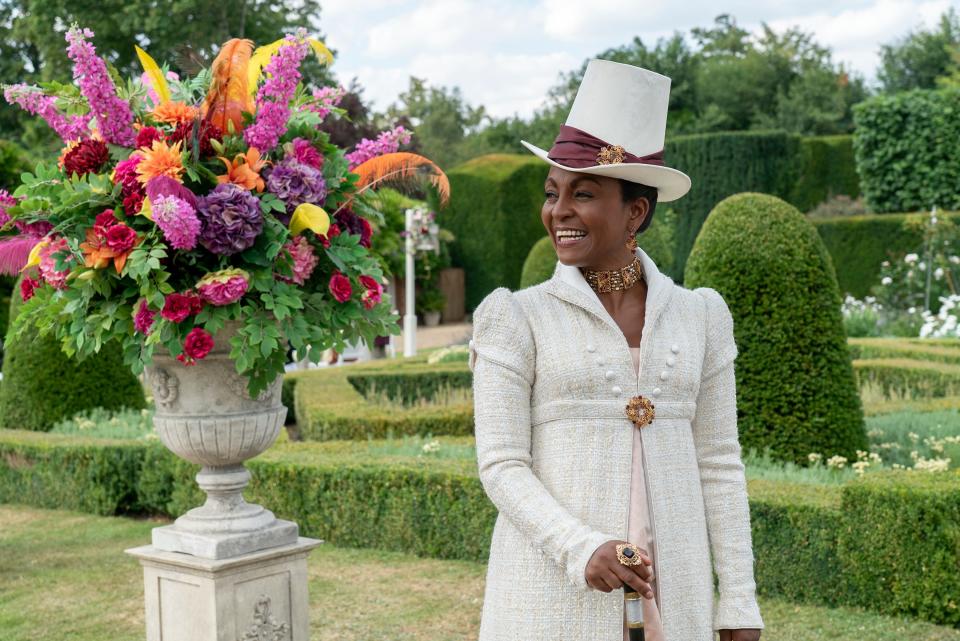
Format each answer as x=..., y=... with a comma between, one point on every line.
x=610, y=280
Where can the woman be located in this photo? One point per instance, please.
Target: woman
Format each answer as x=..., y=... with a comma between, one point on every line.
x=605, y=405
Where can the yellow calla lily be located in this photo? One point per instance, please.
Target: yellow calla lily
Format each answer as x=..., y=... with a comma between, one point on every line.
x=146, y=210
x=33, y=259
x=312, y=217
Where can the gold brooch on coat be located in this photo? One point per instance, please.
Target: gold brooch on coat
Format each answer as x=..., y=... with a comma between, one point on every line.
x=611, y=155
x=640, y=410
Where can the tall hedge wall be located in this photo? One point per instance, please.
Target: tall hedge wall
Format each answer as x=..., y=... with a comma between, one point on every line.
x=494, y=212
x=796, y=391
x=496, y=199
x=858, y=244
x=907, y=152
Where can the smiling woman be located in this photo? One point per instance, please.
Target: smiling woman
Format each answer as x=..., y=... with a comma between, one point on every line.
x=605, y=407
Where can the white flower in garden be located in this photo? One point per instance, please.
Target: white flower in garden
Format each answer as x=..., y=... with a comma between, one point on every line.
x=913, y=436
x=885, y=263
x=932, y=465
x=912, y=310
x=860, y=466
x=875, y=458
x=955, y=260
x=814, y=457
x=861, y=455
x=922, y=266
x=938, y=273
x=886, y=280
x=910, y=258
x=431, y=447
x=837, y=462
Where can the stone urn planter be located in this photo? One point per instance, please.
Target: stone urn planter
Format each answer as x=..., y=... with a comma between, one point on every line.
x=431, y=318
x=205, y=415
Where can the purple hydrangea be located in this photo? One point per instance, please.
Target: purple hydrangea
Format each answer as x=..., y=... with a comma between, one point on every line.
x=296, y=183
x=230, y=219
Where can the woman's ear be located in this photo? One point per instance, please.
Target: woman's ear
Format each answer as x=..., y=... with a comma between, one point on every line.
x=639, y=210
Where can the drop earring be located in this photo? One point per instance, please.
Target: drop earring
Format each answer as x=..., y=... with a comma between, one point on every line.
x=632, y=242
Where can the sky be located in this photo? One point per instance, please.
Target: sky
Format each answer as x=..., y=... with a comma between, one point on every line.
x=506, y=54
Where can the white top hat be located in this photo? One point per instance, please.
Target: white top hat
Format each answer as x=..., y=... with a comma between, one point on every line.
x=616, y=128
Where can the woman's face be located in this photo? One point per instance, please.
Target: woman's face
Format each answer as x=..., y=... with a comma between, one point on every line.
x=587, y=219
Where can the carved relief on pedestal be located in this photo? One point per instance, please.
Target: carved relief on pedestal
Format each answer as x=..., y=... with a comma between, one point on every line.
x=265, y=627
x=166, y=387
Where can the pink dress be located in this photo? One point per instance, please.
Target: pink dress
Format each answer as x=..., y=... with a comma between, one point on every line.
x=638, y=530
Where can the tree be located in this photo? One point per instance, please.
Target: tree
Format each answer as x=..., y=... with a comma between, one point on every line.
x=918, y=59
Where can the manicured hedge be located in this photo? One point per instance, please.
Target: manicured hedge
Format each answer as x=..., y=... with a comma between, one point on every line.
x=796, y=391
x=494, y=213
x=330, y=403
x=858, y=244
x=904, y=378
x=940, y=350
x=42, y=385
x=907, y=152
x=889, y=542
x=828, y=169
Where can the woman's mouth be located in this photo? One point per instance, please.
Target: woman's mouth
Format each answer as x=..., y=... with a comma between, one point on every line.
x=568, y=237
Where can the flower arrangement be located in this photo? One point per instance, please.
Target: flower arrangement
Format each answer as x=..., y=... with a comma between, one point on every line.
x=179, y=205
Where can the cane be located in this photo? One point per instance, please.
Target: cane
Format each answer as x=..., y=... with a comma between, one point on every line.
x=633, y=607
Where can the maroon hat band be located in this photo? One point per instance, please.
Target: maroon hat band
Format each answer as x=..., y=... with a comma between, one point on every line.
x=576, y=148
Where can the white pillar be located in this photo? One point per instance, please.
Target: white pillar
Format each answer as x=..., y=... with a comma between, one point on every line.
x=410, y=318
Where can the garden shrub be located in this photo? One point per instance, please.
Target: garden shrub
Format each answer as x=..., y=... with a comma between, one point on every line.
x=796, y=391
x=888, y=542
x=899, y=544
x=859, y=244
x=42, y=385
x=330, y=403
x=540, y=264
x=13, y=162
x=941, y=350
x=905, y=378
x=828, y=169
x=494, y=213
x=906, y=150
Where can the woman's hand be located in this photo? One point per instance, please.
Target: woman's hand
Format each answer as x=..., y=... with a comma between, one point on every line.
x=746, y=634
x=604, y=571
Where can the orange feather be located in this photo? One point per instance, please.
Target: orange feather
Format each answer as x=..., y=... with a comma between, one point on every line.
x=402, y=167
x=229, y=93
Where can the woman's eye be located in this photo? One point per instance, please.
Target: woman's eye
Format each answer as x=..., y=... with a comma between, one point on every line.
x=584, y=194
x=548, y=195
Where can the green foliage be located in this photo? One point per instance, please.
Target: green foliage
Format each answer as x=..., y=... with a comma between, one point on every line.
x=904, y=378
x=918, y=59
x=909, y=568
x=42, y=385
x=102, y=423
x=331, y=403
x=540, y=263
x=494, y=214
x=905, y=150
x=858, y=246
x=828, y=169
x=13, y=162
x=795, y=384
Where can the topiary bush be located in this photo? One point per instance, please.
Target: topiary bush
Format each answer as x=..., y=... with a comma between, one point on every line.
x=796, y=391
x=540, y=263
x=42, y=385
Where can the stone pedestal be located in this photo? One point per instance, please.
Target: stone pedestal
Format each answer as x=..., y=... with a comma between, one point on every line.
x=252, y=597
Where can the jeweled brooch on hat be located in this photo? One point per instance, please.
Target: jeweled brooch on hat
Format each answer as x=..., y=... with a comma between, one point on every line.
x=640, y=410
x=611, y=155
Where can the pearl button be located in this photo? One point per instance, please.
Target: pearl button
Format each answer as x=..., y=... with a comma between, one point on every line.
x=610, y=374
x=591, y=347
x=671, y=361
x=674, y=348
x=663, y=375
x=616, y=390
x=656, y=391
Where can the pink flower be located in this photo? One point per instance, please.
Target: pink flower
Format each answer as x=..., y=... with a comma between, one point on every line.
x=144, y=318
x=333, y=232
x=327, y=98
x=104, y=221
x=275, y=94
x=120, y=238
x=177, y=220
x=373, y=293
x=27, y=287
x=196, y=346
x=151, y=91
x=304, y=260
x=176, y=307
x=113, y=114
x=48, y=263
x=224, y=287
x=303, y=151
x=34, y=101
x=387, y=142
x=340, y=287
x=6, y=200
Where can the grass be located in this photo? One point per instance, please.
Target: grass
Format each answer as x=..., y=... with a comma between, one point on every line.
x=65, y=577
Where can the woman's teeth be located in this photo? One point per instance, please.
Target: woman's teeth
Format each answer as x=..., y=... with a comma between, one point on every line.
x=569, y=237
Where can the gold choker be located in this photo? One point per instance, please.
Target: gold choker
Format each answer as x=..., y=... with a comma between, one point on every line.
x=609, y=280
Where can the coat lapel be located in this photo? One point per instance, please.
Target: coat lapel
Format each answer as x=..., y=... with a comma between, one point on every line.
x=569, y=284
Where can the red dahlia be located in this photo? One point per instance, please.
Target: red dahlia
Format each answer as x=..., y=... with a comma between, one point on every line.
x=89, y=156
x=184, y=132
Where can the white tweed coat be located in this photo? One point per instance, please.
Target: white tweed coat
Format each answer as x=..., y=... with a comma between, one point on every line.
x=552, y=376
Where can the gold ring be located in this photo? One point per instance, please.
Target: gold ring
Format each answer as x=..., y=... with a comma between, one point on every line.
x=629, y=560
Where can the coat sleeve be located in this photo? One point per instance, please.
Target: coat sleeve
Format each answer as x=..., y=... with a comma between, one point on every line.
x=502, y=358
x=722, y=473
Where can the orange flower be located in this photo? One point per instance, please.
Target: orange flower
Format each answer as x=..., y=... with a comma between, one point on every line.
x=244, y=170
x=174, y=113
x=66, y=150
x=160, y=160
x=97, y=254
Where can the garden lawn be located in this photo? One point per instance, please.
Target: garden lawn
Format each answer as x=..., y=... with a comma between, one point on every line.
x=64, y=576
